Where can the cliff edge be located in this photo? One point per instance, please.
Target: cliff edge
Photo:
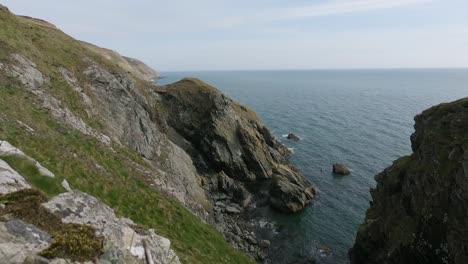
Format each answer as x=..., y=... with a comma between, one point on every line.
x=419, y=209
x=182, y=159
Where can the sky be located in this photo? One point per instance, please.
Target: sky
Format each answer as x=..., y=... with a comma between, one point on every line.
x=188, y=35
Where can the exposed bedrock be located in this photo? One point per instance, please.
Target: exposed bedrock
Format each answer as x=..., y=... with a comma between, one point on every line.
x=419, y=209
x=225, y=137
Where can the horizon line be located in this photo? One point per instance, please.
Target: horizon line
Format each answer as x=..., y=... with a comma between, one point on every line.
x=325, y=69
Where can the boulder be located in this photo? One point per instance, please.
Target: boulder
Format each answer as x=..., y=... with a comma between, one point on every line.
x=341, y=169
x=10, y=180
x=232, y=210
x=19, y=240
x=289, y=191
x=264, y=243
x=225, y=183
x=293, y=137
x=120, y=236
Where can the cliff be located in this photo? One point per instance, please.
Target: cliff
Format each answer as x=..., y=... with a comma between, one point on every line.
x=160, y=156
x=418, y=212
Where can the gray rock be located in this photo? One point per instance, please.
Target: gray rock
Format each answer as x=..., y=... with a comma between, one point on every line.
x=113, y=255
x=29, y=232
x=66, y=186
x=10, y=180
x=6, y=149
x=264, y=243
x=19, y=240
x=251, y=239
x=26, y=71
x=80, y=208
x=232, y=210
x=225, y=183
x=220, y=204
x=36, y=260
x=289, y=191
x=237, y=230
x=252, y=248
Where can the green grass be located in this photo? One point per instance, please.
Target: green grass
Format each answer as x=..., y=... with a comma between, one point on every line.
x=26, y=168
x=85, y=163
x=109, y=175
x=71, y=241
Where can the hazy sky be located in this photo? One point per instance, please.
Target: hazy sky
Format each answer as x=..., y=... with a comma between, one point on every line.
x=267, y=34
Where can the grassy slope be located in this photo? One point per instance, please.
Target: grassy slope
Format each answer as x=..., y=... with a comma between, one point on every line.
x=86, y=164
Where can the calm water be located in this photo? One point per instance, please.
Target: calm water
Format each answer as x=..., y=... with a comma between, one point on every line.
x=362, y=118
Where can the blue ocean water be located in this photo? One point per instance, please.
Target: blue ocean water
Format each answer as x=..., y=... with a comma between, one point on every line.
x=362, y=118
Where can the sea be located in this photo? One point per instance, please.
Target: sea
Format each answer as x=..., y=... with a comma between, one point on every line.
x=361, y=118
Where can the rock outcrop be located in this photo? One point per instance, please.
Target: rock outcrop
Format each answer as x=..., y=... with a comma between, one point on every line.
x=103, y=114
x=20, y=242
x=122, y=243
x=10, y=180
x=419, y=209
x=225, y=137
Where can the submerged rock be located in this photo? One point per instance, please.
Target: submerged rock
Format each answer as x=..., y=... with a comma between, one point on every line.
x=341, y=169
x=293, y=137
x=419, y=209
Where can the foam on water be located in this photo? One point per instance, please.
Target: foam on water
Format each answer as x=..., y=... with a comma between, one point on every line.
x=362, y=119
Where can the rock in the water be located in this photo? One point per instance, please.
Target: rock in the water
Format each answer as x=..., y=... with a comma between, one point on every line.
x=293, y=137
x=341, y=169
x=289, y=191
x=419, y=209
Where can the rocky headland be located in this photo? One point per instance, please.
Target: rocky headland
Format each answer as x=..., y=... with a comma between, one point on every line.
x=418, y=212
x=178, y=159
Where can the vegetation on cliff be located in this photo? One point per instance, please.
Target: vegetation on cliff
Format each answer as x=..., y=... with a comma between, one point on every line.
x=114, y=173
x=419, y=208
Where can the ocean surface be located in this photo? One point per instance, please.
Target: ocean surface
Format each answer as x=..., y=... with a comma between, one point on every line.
x=362, y=118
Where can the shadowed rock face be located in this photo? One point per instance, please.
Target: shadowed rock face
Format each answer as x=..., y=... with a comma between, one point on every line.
x=222, y=135
x=419, y=212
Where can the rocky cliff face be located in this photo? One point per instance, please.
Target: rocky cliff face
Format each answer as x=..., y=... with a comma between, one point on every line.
x=419, y=208
x=136, y=145
x=229, y=140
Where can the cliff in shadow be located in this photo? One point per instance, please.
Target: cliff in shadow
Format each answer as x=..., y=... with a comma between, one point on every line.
x=419, y=208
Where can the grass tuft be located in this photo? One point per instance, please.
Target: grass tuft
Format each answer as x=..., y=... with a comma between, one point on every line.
x=72, y=241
